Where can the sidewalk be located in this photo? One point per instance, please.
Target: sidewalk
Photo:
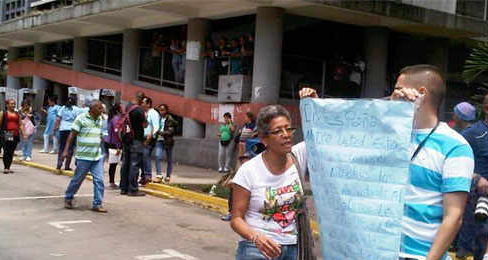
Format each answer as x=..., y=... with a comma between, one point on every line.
x=182, y=174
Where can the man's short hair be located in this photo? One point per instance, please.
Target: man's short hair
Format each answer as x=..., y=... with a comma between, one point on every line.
x=147, y=100
x=430, y=77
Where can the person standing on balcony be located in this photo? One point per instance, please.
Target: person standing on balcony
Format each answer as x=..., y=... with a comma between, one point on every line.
x=211, y=72
x=222, y=54
x=247, y=49
x=49, y=133
x=236, y=57
x=176, y=60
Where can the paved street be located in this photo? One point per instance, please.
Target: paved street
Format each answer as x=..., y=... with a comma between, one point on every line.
x=34, y=224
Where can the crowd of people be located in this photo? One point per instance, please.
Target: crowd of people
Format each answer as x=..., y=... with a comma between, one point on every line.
x=447, y=170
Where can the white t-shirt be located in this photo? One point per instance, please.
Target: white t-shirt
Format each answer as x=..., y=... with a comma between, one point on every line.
x=274, y=198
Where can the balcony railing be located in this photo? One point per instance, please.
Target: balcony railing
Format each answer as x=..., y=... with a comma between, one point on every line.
x=160, y=68
x=105, y=56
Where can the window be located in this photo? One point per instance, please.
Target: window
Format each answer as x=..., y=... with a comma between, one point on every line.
x=105, y=54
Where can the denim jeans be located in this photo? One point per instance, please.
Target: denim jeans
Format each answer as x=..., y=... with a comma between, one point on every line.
x=132, y=157
x=159, y=158
x=82, y=168
x=225, y=154
x=63, y=137
x=147, y=161
x=248, y=251
x=27, y=146
x=47, y=141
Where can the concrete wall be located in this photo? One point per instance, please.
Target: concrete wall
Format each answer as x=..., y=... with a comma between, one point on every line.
x=447, y=6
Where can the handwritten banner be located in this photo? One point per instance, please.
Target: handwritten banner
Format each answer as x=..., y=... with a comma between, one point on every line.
x=358, y=158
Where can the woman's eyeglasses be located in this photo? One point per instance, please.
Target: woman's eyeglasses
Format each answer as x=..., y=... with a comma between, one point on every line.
x=282, y=131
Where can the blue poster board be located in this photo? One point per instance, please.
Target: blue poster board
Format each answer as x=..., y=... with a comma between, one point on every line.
x=358, y=156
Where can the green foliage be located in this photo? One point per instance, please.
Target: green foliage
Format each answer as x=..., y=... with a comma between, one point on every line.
x=476, y=63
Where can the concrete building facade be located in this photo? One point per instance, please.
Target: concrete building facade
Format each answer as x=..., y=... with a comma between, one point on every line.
x=341, y=48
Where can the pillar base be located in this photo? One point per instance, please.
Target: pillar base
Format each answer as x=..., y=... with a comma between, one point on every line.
x=193, y=129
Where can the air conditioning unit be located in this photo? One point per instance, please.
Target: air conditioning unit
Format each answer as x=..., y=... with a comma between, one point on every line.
x=234, y=88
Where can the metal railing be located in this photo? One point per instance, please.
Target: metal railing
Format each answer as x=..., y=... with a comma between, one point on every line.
x=111, y=50
x=212, y=70
x=159, y=68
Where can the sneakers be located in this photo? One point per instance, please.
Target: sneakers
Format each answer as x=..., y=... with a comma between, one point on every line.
x=158, y=179
x=43, y=151
x=68, y=204
x=28, y=159
x=99, y=209
x=226, y=170
x=221, y=169
x=226, y=217
x=212, y=190
x=22, y=158
x=53, y=152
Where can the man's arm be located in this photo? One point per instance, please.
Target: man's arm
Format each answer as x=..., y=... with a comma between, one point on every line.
x=454, y=203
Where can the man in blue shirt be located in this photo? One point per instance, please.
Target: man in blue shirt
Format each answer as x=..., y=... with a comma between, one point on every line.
x=52, y=113
x=473, y=236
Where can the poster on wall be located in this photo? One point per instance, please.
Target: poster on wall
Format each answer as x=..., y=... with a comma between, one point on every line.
x=83, y=95
x=193, y=49
x=358, y=157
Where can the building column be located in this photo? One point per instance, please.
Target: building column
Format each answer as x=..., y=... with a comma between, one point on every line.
x=438, y=55
x=376, y=58
x=266, y=81
x=130, y=51
x=13, y=82
x=80, y=53
x=39, y=83
x=197, y=33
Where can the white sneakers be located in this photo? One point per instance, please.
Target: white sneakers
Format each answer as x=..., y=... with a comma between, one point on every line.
x=43, y=151
x=28, y=159
x=221, y=169
x=53, y=152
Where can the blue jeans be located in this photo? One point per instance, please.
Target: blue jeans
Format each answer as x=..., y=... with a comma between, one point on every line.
x=82, y=168
x=248, y=251
x=147, y=161
x=27, y=146
x=159, y=158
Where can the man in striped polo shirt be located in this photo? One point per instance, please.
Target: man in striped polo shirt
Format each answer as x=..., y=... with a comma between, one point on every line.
x=441, y=169
x=87, y=129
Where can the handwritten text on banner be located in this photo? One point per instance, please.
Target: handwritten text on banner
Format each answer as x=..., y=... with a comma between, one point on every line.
x=358, y=157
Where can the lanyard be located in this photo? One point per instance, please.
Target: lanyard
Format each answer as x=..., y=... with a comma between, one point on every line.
x=423, y=142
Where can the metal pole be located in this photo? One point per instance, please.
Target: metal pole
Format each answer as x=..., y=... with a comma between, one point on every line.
x=162, y=68
x=486, y=7
x=105, y=58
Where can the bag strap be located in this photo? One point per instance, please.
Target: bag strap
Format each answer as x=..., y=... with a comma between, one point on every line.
x=305, y=238
x=421, y=145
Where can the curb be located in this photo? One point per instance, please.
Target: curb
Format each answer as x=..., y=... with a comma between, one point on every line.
x=164, y=191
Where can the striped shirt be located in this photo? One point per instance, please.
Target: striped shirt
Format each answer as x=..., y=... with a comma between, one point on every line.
x=445, y=164
x=88, y=138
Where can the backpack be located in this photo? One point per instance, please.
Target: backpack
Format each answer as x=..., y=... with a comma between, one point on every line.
x=123, y=128
x=28, y=126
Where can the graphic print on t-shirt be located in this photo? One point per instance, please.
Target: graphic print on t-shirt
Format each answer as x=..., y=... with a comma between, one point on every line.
x=282, y=203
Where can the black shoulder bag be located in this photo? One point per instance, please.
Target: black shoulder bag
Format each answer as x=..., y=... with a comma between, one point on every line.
x=305, y=237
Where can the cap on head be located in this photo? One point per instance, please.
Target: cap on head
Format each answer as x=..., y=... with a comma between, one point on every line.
x=465, y=111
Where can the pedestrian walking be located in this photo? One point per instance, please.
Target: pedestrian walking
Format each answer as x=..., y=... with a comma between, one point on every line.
x=11, y=130
x=64, y=122
x=49, y=133
x=112, y=143
x=133, y=147
x=87, y=131
x=150, y=138
x=29, y=125
x=263, y=215
x=165, y=143
x=473, y=235
x=226, y=143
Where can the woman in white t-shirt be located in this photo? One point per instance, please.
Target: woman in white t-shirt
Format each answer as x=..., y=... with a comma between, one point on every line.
x=268, y=193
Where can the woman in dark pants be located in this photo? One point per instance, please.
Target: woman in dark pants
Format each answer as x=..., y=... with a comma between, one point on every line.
x=64, y=121
x=112, y=141
x=11, y=131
